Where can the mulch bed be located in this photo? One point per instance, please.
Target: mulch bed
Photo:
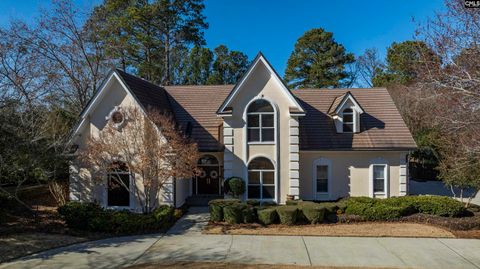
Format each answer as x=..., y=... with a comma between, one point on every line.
x=364, y=229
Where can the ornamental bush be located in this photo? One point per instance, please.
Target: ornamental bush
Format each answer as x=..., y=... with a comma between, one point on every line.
x=313, y=213
x=78, y=215
x=384, y=212
x=287, y=214
x=267, y=216
x=91, y=217
x=216, y=208
x=233, y=213
x=249, y=214
x=236, y=186
x=436, y=205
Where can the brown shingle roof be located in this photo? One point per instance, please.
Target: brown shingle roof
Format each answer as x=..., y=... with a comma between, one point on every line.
x=336, y=102
x=198, y=105
x=381, y=125
x=148, y=94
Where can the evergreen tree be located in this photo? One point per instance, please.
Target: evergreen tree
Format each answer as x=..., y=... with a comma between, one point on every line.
x=199, y=66
x=228, y=66
x=145, y=35
x=318, y=61
x=403, y=62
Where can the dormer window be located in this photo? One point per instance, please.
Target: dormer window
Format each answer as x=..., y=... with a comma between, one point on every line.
x=348, y=123
x=345, y=112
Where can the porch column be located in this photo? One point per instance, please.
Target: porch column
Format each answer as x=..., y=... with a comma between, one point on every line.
x=403, y=175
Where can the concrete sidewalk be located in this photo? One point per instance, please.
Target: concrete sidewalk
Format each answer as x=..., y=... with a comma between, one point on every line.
x=184, y=242
x=190, y=245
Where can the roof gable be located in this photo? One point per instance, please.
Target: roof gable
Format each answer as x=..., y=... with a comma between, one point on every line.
x=340, y=101
x=146, y=94
x=226, y=109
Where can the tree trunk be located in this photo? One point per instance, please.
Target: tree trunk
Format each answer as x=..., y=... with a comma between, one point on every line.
x=166, y=79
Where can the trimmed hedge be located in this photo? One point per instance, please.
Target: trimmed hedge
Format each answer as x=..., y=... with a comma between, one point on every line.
x=287, y=214
x=313, y=213
x=233, y=213
x=267, y=216
x=216, y=208
x=396, y=207
x=249, y=214
x=91, y=217
x=361, y=208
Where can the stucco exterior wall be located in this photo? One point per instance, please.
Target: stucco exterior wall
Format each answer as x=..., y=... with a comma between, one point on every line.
x=350, y=172
x=239, y=153
x=82, y=186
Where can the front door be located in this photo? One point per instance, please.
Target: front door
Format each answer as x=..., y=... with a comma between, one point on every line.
x=208, y=181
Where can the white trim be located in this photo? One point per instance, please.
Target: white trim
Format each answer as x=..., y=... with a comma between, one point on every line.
x=349, y=96
x=378, y=162
x=98, y=97
x=272, y=73
x=275, y=142
x=131, y=192
x=275, y=176
x=322, y=195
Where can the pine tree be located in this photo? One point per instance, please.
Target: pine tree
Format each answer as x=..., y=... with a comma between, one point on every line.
x=318, y=61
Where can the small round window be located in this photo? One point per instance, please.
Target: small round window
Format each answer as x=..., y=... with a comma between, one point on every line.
x=117, y=117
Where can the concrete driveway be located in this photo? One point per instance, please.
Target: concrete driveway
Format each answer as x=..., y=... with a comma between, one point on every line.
x=184, y=242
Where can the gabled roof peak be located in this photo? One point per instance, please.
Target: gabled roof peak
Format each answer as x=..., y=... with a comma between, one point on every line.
x=339, y=101
x=260, y=58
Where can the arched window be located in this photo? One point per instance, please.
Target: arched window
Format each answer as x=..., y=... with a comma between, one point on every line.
x=261, y=179
x=118, y=189
x=208, y=160
x=260, y=122
x=348, y=125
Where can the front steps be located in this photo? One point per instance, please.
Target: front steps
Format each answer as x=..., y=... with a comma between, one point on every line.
x=201, y=200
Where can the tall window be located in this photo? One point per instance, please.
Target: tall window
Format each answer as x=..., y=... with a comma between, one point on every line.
x=322, y=178
x=261, y=179
x=260, y=122
x=348, y=120
x=118, y=193
x=379, y=178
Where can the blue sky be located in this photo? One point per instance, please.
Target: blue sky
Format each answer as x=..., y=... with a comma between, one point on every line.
x=273, y=26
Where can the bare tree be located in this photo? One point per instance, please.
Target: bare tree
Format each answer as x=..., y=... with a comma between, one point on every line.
x=71, y=56
x=149, y=145
x=368, y=65
x=453, y=87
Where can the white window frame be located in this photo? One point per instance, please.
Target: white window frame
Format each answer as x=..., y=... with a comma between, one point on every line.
x=260, y=127
x=353, y=122
x=322, y=195
x=275, y=182
x=372, y=193
x=131, y=197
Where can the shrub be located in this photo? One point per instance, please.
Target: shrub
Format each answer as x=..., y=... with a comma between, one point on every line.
x=437, y=205
x=294, y=202
x=313, y=213
x=253, y=202
x=233, y=213
x=287, y=214
x=249, y=215
x=383, y=212
x=78, y=215
x=91, y=217
x=236, y=186
x=216, y=208
x=267, y=216
x=164, y=214
x=357, y=207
